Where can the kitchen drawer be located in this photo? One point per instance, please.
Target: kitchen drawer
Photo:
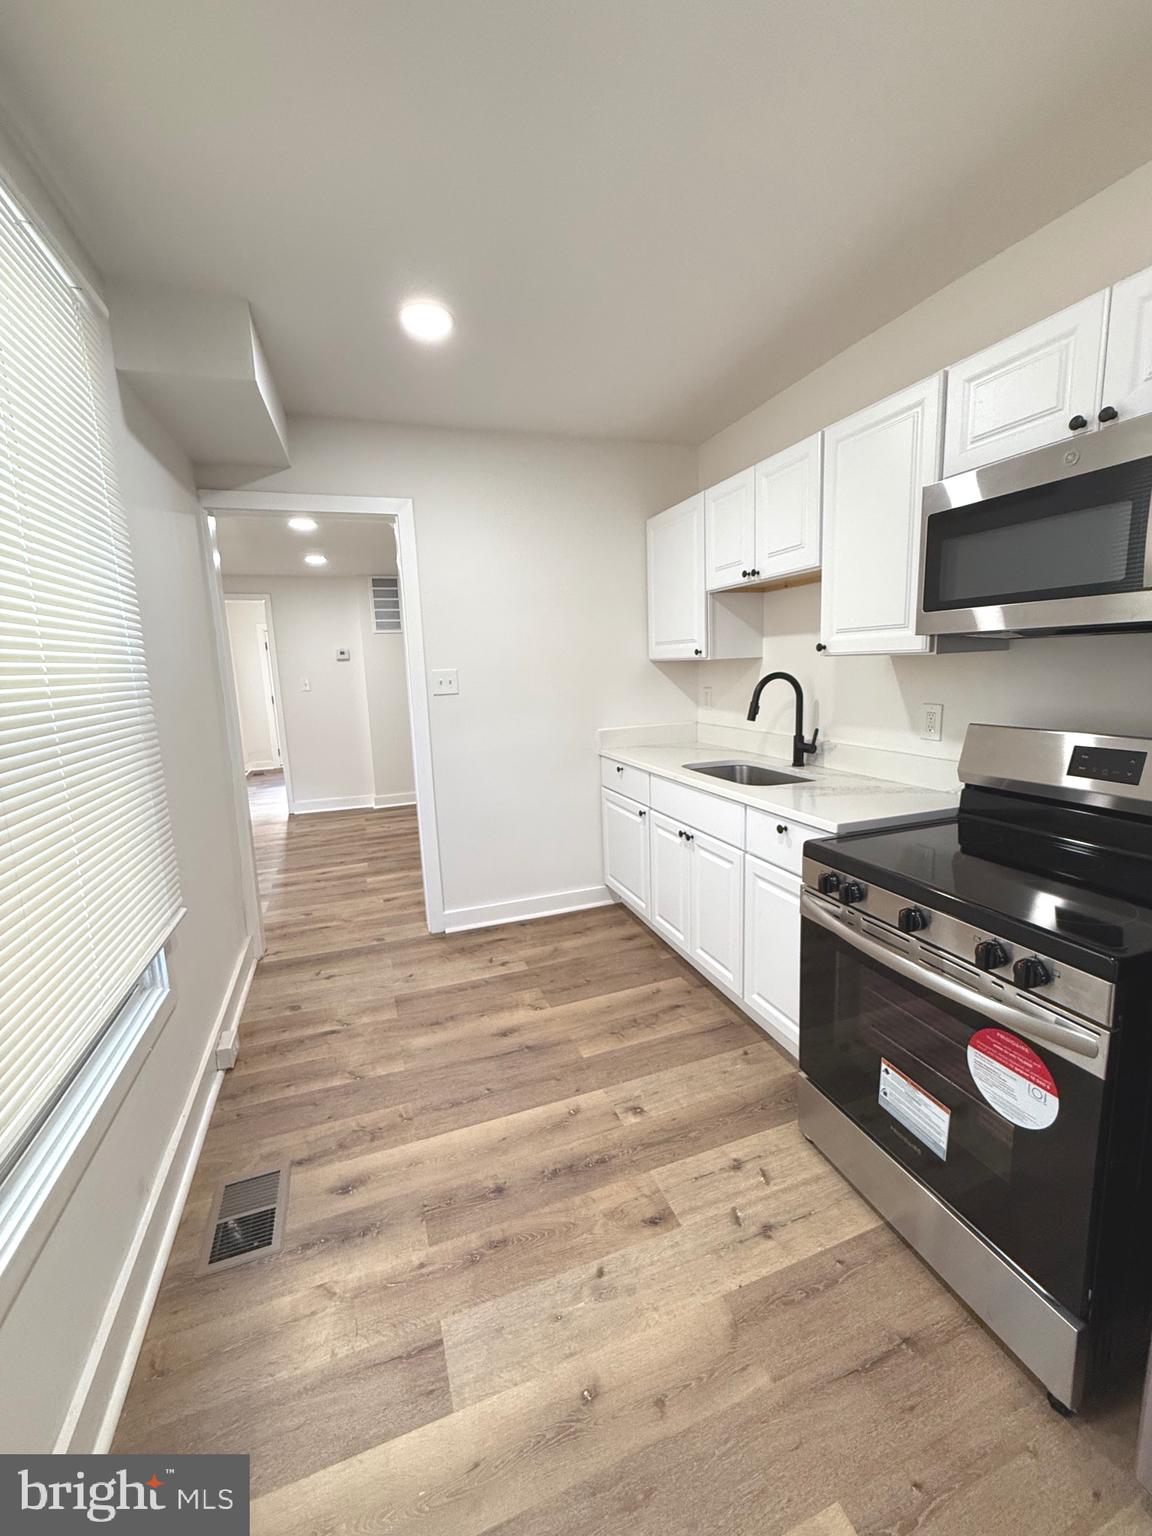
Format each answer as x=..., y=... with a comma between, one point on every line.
x=779, y=840
x=632, y=782
x=706, y=813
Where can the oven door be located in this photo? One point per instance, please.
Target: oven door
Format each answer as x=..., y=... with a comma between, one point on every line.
x=1001, y=554
x=995, y=1105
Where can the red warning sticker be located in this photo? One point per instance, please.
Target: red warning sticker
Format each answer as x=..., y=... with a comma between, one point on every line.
x=1013, y=1078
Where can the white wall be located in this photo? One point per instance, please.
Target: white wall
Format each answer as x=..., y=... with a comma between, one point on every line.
x=531, y=555
x=48, y=1335
x=246, y=625
x=389, y=726
x=326, y=728
x=867, y=705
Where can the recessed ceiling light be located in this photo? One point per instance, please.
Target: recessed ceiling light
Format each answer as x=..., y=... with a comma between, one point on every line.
x=315, y=559
x=302, y=524
x=426, y=320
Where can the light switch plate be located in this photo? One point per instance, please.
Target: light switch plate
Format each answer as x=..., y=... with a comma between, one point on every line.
x=446, y=681
x=931, y=722
x=343, y=654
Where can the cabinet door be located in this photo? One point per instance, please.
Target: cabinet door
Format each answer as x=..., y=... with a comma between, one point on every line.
x=730, y=530
x=876, y=465
x=625, y=849
x=1023, y=393
x=772, y=949
x=788, y=511
x=717, y=908
x=677, y=600
x=1128, y=355
x=670, y=857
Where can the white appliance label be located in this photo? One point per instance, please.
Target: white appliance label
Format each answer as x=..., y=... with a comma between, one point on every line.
x=1013, y=1078
x=916, y=1110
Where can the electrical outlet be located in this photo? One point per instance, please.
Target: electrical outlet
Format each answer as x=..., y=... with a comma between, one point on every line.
x=931, y=722
x=706, y=697
x=305, y=685
x=446, y=681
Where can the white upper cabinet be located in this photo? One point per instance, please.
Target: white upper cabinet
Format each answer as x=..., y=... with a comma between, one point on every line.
x=685, y=622
x=677, y=600
x=1128, y=358
x=730, y=520
x=788, y=511
x=876, y=465
x=1033, y=389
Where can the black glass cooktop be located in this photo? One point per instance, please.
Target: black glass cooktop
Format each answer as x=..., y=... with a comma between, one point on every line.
x=928, y=863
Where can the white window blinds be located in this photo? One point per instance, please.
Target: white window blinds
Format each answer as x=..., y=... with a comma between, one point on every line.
x=88, y=881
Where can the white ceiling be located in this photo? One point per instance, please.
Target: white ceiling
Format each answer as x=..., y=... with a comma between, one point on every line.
x=647, y=215
x=264, y=545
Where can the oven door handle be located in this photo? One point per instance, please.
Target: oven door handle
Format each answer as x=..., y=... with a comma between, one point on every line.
x=1044, y=1028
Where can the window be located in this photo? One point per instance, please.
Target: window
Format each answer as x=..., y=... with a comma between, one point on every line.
x=88, y=882
x=386, y=604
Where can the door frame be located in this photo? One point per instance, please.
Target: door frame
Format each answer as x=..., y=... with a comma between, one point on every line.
x=277, y=685
x=291, y=504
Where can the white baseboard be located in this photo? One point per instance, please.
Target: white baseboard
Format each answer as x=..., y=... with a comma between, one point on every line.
x=457, y=919
x=336, y=803
x=406, y=797
x=90, y=1424
x=239, y=985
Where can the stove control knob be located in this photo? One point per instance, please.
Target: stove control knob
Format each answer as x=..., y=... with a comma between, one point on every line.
x=911, y=920
x=853, y=892
x=990, y=955
x=828, y=884
x=1030, y=972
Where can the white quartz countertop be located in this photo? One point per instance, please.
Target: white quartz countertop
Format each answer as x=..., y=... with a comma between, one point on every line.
x=829, y=800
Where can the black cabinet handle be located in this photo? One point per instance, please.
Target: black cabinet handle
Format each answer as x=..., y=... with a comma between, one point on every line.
x=780, y=827
x=821, y=647
x=753, y=573
x=1078, y=423
x=697, y=652
x=619, y=767
x=1109, y=413
x=745, y=574
x=642, y=815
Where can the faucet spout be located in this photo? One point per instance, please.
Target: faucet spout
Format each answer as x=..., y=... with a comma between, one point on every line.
x=800, y=747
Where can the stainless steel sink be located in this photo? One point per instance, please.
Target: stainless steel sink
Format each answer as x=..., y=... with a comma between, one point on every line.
x=746, y=773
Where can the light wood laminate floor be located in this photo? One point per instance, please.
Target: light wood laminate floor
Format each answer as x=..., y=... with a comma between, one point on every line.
x=557, y=1261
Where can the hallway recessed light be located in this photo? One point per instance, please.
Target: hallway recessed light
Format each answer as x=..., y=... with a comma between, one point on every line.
x=315, y=559
x=303, y=524
x=426, y=320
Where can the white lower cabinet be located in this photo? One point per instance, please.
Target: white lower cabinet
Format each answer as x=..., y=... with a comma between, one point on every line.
x=625, y=848
x=772, y=949
x=716, y=888
x=736, y=917
x=670, y=856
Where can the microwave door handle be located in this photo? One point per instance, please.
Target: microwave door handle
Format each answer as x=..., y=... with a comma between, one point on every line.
x=1034, y=1025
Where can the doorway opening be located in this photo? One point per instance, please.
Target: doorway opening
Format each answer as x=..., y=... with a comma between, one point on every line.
x=321, y=661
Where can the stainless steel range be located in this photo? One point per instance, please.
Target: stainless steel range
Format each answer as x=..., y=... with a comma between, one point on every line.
x=976, y=1041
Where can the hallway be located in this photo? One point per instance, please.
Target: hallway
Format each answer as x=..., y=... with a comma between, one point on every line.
x=556, y=1259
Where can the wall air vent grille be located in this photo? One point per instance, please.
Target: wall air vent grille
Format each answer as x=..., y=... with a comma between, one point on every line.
x=386, y=604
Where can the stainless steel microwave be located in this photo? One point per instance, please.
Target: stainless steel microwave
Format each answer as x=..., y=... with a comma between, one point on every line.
x=1051, y=541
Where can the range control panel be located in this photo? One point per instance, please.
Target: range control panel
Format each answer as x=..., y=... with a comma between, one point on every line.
x=1113, y=765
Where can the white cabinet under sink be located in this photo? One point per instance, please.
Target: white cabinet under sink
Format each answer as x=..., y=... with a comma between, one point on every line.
x=716, y=886
x=697, y=897
x=772, y=948
x=876, y=465
x=685, y=623
x=717, y=880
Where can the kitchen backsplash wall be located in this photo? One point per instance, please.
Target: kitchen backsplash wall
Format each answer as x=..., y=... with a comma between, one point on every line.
x=867, y=707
